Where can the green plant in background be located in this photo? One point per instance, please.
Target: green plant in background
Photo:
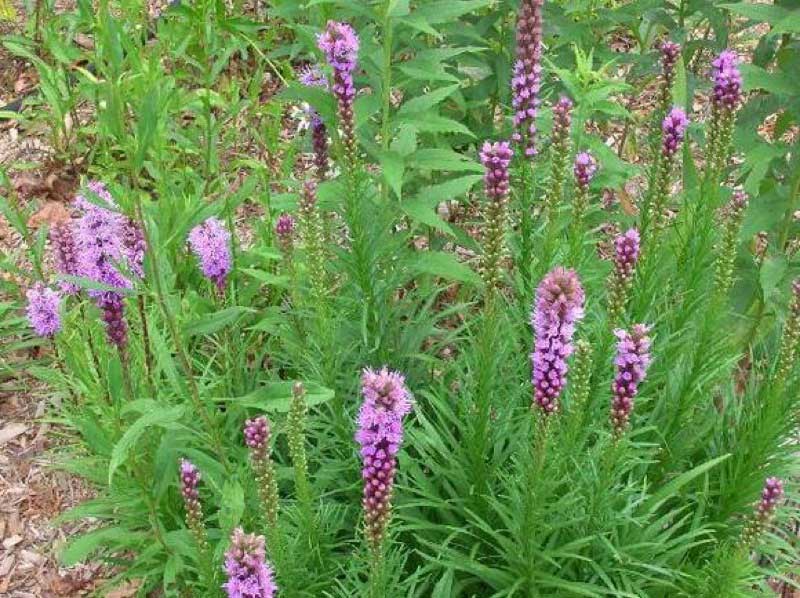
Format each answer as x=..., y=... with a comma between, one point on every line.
x=614, y=447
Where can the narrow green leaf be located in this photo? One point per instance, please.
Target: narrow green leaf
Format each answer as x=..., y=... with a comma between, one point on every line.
x=671, y=488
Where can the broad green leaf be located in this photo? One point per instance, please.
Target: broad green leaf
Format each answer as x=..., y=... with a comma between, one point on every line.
x=680, y=94
x=277, y=396
x=406, y=141
x=450, y=190
x=446, y=11
x=444, y=160
x=434, y=123
x=778, y=82
x=398, y=8
x=767, y=13
x=267, y=278
x=772, y=273
x=393, y=168
x=444, y=265
x=211, y=323
x=164, y=417
x=231, y=505
x=427, y=74
x=790, y=24
x=427, y=101
x=84, y=545
x=421, y=210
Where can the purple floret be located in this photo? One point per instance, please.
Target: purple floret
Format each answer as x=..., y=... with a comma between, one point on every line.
x=210, y=242
x=43, y=310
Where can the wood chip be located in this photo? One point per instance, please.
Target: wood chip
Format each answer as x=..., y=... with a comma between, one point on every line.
x=11, y=541
x=11, y=431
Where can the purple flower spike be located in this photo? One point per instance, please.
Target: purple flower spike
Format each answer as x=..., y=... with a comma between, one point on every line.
x=380, y=434
x=562, y=118
x=319, y=143
x=674, y=129
x=312, y=76
x=103, y=241
x=284, y=226
x=633, y=359
x=771, y=495
x=585, y=168
x=526, y=80
x=249, y=574
x=340, y=44
x=562, y=124
x=496, y=158
x=65, y=256
x=43, y=310
x=190, y=478
x=670, y=51
x=763, y=512
x=109, y=246
x=626, y=253
x=727, y=80
x=113, y=308
x=257, y=433
x=210, y=242
x=558, y=308
x=134, y=247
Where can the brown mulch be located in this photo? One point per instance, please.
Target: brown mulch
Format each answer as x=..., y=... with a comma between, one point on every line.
x=32, y=494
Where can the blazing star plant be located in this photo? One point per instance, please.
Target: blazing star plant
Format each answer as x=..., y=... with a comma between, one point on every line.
x=604, y=365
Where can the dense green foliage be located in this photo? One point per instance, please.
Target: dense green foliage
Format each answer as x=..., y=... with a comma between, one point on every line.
x=492, y=498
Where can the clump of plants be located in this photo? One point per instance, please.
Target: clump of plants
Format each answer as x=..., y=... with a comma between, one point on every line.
x=363, y=399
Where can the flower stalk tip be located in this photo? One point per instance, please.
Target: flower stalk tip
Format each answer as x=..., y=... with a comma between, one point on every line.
x=380, y=434
x=526, y=79
x=257, y=434
x=496, y=159
x=246, y=567
x=558, y=308
x=632, y=361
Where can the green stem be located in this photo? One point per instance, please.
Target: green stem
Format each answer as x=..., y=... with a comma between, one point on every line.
x=526, y=227
x=386, y=86
x=180, y=350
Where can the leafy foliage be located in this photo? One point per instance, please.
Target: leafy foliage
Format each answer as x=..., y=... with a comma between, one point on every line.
x=199, y=113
